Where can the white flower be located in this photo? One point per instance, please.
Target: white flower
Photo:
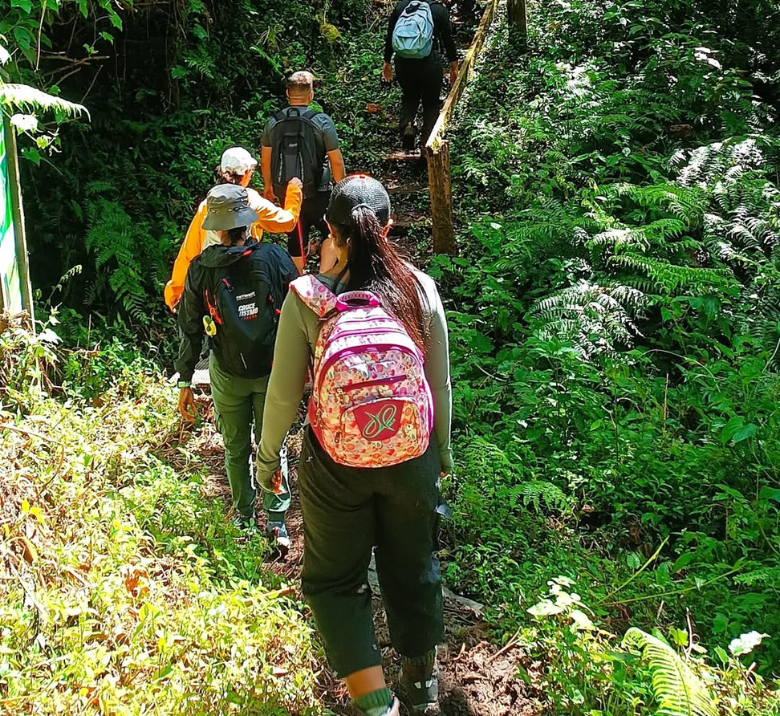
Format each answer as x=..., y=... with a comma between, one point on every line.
x=746, y=643
x=25, y=122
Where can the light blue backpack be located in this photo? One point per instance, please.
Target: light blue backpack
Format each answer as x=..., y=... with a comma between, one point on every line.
x=413, y=34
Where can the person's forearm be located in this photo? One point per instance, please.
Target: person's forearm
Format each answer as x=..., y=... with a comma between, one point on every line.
x=278, y=220
x=265, y=169
x=442, y=424
x=189, y=349
x=285, y=387
x=337, y=166
x=447, y=39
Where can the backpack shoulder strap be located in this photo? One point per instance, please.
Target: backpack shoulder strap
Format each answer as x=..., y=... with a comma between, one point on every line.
x=315, y=294
x=281, y=115
x=310, y=114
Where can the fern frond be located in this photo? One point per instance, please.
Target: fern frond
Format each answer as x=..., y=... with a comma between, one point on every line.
x=536, y=492
x=677, y=689
x=26, y=97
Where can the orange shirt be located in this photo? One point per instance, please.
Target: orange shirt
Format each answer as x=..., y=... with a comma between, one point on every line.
x=271, y=218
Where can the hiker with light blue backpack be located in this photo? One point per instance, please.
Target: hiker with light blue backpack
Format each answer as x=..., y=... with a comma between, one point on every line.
x=417, y=33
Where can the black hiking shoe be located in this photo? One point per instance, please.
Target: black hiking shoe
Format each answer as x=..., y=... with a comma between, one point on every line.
x=422, y=697
x=278, y=537
x=407, y=137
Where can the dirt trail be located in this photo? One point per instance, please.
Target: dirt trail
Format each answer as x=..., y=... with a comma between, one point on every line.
x=477, y=677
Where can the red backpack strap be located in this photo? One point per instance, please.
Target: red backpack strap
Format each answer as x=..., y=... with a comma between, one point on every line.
x=315, y=294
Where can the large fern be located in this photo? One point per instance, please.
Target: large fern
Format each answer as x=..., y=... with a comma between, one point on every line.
x=20, y=96
x=677, y=689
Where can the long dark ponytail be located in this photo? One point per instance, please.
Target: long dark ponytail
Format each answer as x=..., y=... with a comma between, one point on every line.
x=374, y=264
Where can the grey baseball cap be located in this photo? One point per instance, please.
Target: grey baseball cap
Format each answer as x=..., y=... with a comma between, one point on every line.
x=228, y=208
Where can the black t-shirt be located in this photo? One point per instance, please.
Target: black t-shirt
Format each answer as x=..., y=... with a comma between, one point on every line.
x=442, y=30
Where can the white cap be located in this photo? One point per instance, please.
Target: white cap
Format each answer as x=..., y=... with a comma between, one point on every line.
x=237, y=160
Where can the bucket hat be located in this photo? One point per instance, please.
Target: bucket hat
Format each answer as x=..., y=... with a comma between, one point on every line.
x=228, y=208
x=358, y=190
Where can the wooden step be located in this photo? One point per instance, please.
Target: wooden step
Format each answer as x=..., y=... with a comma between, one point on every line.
x=406, y=189
x=403, y=156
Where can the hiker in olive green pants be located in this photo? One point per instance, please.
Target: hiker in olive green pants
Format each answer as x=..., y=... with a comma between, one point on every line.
x=236, y=402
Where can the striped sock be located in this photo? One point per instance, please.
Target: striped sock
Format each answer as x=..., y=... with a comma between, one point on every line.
x=377, y=703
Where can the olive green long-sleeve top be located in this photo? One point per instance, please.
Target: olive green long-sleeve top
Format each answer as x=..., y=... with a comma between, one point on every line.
x=299, y=328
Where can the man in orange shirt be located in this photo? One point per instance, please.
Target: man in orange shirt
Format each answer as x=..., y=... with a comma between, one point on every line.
x=236, y=167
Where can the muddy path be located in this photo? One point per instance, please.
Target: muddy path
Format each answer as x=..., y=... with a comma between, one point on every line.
x=477, y=677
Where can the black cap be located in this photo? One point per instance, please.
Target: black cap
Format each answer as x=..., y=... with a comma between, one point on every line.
x=358, y=190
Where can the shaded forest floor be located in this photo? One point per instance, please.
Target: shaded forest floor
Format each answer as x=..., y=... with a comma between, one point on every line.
x=478, y=677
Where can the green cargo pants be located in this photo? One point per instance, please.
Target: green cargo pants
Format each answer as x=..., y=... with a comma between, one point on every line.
x=346, y=512
x=238, y=402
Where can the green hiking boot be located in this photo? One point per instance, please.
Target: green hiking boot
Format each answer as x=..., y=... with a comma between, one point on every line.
x=421, y=693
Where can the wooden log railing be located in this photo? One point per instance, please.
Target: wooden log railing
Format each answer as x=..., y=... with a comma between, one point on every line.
x=437, y=147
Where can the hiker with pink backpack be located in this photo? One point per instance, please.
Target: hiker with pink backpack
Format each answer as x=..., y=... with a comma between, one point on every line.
x=373, y=333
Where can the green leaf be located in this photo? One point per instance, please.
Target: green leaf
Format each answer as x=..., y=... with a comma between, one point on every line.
x=677, y=689
x=737, y=430
x=32, y=155
x=769, y=493
x=683, y=561
x=748, y=431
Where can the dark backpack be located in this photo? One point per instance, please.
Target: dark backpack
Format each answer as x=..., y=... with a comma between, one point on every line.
x=245, y=306
x=294, y=140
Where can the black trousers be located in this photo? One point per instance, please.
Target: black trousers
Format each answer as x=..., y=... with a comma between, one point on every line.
x=346, y=512
x=312, y=217
x=421, y=82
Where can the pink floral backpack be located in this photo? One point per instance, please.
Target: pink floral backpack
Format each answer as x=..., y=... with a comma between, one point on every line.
x=371, y=404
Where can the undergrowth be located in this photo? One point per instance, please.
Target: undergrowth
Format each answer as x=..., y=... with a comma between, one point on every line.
x=614, y=327
x=125, y=589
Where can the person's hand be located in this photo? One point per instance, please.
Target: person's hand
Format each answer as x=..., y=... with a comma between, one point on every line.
x=313, y=248
x=387, y=72
x=265, y=480
x=268, y=193
x=296, y=182
x=276, y=483
x=187, y=408
x=453, y=72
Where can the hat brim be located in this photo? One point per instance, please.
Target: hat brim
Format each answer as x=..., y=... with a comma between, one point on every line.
x=230, y=220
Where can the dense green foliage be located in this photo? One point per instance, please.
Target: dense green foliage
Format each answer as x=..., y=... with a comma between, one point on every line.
x=125, y=590
x=615, y=322
x=167, y=94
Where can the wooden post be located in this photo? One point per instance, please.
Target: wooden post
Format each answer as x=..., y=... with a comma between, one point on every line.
x=437, y=148
x=20, y=236
x=518, y=17
x=441, y=199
